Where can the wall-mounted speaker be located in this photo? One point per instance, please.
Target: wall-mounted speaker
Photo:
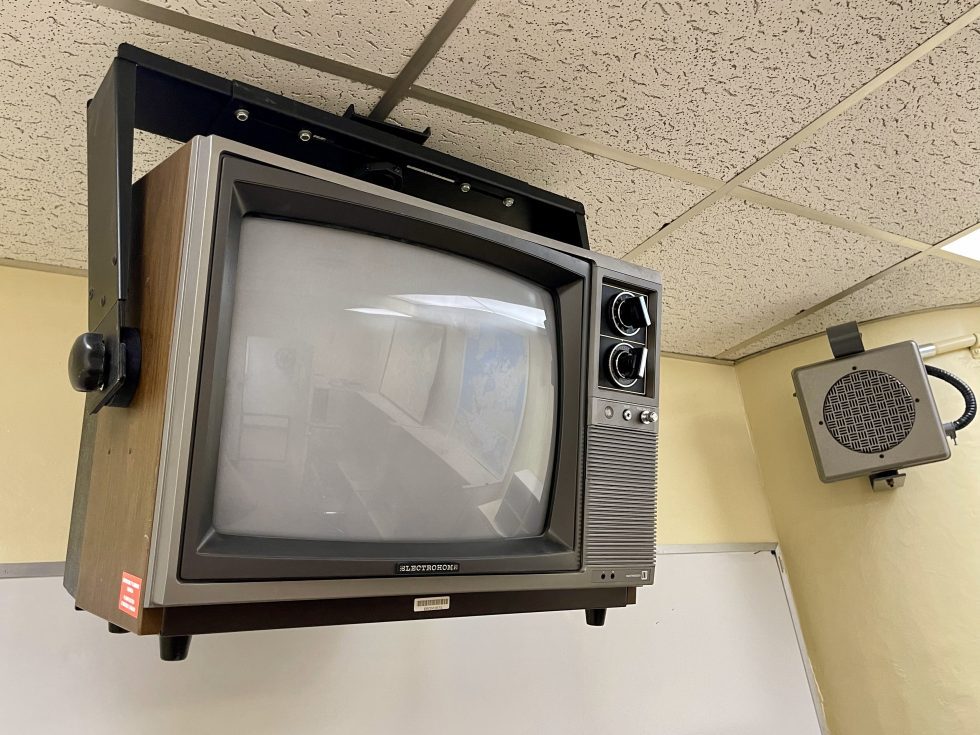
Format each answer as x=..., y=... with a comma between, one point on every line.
x=871, y=413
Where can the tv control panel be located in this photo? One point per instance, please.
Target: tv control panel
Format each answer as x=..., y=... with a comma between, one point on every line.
x=623, y=414
x=622, y=441
x=626, y=338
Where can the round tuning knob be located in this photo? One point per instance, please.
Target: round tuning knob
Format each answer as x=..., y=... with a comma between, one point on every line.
x=626, y=364
x=648, y=417
x=87, y=362
x=629, y=313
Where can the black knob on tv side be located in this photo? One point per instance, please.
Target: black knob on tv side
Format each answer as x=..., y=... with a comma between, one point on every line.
x=87, y=362
x=629, y=313
x=626, y=364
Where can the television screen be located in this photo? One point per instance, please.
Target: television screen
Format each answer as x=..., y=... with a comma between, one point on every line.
x=377, y=390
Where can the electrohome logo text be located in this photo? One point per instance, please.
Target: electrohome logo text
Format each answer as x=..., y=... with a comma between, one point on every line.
x=442, y=567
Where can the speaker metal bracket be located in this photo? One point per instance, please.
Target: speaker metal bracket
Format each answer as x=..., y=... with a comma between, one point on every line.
x=845, y=339
x=890, y=480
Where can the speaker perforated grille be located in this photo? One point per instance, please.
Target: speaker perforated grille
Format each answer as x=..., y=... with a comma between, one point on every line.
x=621, y=497
x=869, y=411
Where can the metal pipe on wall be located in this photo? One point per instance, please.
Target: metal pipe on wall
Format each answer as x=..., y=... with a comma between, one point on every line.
x=966, y=342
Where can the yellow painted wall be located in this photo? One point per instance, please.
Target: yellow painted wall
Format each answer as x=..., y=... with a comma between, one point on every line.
x=40, y=415
x=710, y=488
x=887, y=584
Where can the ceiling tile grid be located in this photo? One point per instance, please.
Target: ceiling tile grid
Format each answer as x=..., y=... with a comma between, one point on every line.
x=957, y=258
x=52, y=58
x=380, y=35
x=925, y=283
x=740, y=268
x=906, y=159
x=624, y=205
x=709, y=86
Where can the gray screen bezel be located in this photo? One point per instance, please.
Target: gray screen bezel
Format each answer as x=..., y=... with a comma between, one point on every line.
x=249, y=188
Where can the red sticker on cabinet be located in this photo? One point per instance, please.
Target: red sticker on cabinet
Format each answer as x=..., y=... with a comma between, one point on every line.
x=129, y=594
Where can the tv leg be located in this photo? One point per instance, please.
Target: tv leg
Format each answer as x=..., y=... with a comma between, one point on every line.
x=596, y=616
x=113, y=628
x=174, y=647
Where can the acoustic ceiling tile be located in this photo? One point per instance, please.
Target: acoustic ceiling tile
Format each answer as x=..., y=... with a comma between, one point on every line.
x=52, y=58
x=380, y=35
x=907, y=159
x=925, y=283
x=44, y=221
x=708, y=86
x=738, y=269
x=624, y=205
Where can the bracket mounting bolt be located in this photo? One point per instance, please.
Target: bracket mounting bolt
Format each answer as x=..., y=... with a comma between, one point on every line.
x=509, y=202
x=305, y=135
x=241, y=114
x=464, y=188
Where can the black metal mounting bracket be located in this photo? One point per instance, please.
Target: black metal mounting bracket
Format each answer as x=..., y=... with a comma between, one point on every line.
x=144, y=91
x=888, y=480
x=408, y=134
x=845, y=339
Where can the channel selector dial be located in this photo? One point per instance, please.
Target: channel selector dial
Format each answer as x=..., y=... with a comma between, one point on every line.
x=629, y=313
x=626, y=364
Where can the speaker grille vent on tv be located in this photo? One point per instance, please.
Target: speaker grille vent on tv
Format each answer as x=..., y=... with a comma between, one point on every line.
x=869, y=411
x=620, y=497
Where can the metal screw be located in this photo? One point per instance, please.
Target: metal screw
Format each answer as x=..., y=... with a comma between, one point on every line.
x=509, y=202
x=103, y=301
x=91, y=294
x=305, y=135
x=241, y=114
x=464, y=188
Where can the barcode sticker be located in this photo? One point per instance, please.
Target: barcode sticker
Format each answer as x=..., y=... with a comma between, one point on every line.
x=425, y=604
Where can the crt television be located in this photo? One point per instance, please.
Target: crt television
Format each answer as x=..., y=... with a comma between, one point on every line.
x=359, y=405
